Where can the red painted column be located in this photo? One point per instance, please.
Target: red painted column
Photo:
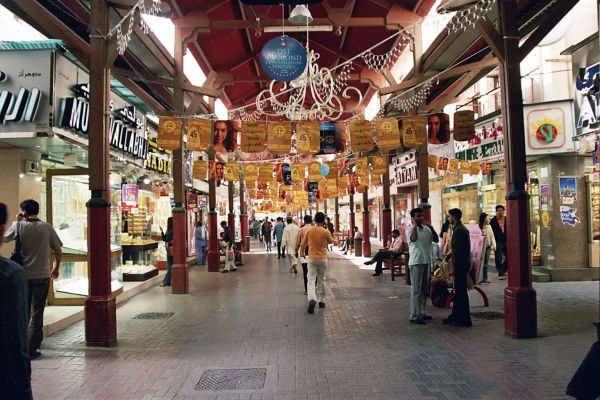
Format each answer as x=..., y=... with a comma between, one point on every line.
x=366, y=243
x=244, y=218
x=336, y=218
x=212, y=257
x=179, y=270
x=386, y=217
x=520, y=304
x=231, y=215
x=100, y=307
x=351, y=216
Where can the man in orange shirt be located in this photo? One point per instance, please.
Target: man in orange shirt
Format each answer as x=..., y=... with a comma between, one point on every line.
x=317, y=238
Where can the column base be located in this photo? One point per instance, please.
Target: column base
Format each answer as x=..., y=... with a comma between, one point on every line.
x=179, y=279
x=520, y=312
x=100, y=321
x=213, y=261
x=366, y=248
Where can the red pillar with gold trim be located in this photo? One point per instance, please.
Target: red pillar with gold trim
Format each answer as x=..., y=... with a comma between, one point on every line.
x=366, y=243
x=100, y=307
x=244, y=218
x=231, y=215
x=386, y=214
x=520, y=303
x=336, y=217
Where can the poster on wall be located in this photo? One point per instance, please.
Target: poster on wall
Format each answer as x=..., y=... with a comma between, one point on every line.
x=567, y=187
x=544, y=196
x=549, y=127
x=129, y=197
x=568, y=216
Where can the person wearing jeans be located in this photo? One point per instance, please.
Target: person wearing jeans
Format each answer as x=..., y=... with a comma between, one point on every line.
x=167, y=237
x=420, y=237
x=37, y=239
x=318, y=239
x=498, y=224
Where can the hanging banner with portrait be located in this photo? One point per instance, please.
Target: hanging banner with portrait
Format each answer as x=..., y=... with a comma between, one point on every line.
x=388, y=133
x=232, y=171
x=361, y=166
x=464, y=125
x=217, y=171
x=453, y=165
x=361, y=135
x=314, y=170
x=438, y=128
x=279, y=140
x=308, y=137
x=253, y=136
x=250, y=172
x=224, y=136
x=414, y=130
x=198, y=134
x=442, y=164
x=379, y=165
x=169, y=133
x=199, y=170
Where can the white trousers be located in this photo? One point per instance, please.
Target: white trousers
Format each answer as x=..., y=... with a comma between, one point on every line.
x=316, y=271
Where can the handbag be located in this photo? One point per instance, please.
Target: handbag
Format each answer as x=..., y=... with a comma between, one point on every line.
x=17, y=254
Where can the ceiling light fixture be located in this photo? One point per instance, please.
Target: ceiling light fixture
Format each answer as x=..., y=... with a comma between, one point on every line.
x=315, y=28
x=300, y=15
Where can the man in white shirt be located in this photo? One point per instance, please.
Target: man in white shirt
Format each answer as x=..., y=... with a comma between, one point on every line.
x=393, y=249
x=420, y=238
x=290, y=234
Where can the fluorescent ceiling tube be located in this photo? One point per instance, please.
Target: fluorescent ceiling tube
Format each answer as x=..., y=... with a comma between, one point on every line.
x=296, y=28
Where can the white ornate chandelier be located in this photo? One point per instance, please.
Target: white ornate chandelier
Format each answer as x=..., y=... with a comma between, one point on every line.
x=315, y=95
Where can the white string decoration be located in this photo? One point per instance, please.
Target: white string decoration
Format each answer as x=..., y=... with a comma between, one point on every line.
x=383, y=61
x=123, y=38
x=467, y=18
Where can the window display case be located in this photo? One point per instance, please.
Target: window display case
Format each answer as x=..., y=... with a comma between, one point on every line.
x=467, y=200
x=491, y=196
x=67, y=192
x=593, y=192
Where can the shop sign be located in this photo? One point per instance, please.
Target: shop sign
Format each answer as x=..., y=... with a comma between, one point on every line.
x=25, y=81
x=123, y=122
x=407, y=175
x=487, y=150
x=157, y=159
x=549, y=127
x=588, y=97
x=283, y=58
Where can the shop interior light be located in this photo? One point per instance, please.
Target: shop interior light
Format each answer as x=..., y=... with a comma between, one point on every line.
x=146, y=181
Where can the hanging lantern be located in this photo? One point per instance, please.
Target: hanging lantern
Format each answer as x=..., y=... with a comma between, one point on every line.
x=464, y=125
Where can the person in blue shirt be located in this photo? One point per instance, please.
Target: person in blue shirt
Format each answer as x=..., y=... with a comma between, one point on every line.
x=278, y=236
x=201, y=240
x=420, y=238
x=15, y=379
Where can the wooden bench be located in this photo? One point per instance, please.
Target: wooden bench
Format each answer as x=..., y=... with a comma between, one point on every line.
x=397, y=264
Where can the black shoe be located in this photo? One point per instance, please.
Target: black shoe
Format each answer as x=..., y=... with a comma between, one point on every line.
x=321, y=304
x=448, y=321
x=35, y=355
x=426, y=317
x=417, y=321
x=376, y=274
x=233, y=269
x=368, y=262
x=345, y=253
x=164, y=284
x=311, y=306
x=224, y=271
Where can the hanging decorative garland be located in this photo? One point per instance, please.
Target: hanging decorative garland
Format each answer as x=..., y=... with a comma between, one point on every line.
x=467, y=17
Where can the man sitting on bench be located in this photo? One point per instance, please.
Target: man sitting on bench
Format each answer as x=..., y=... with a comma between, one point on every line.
x=392, y=251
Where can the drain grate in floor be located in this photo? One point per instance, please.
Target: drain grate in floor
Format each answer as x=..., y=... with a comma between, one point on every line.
x=154, y=315
x=489, y=315
x=232, y=379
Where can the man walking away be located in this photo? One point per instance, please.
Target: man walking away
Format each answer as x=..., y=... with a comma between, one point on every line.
x=498, y=224
x=317, y=238
x=266, y=233
x=420, y=237
x=391, y=251
x=302, y=255
x=278, y=236
x=15, y=380
x=290, y=234
x=330, y=228
x=461, y=262
x=37, y=240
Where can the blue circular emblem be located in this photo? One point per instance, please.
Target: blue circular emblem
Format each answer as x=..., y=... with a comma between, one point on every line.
x=324, y=170
x=283, y=58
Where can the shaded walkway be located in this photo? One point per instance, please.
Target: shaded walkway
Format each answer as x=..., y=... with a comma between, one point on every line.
x=360, y=346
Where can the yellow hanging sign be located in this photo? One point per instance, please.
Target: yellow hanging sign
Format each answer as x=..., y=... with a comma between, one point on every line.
x=298, y=172
x=464, y=125
x=361, y=135
x=414, y=130
x=475, y=168
x=279, y=137
x=464, y=167
x=250, y=172
x=453, y=165
x=252, y=136
x=388, y=133
x=314, y=170
x=375, y=180
x=232, y=171
x=198, y=134
x=379, y=165
x=432, y=161
x=361, y=166
x=308, y=135
x=265, y=172
x=200, y=169
x=169, y=133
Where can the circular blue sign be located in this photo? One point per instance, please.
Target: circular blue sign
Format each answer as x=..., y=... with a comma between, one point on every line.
x=324, y=170
x=283, y=58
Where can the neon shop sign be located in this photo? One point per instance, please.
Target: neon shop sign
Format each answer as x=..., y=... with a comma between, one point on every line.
x=22, y=107
x=123, y=123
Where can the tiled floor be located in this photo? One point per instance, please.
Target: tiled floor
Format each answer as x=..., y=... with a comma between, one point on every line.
x=359, y=347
